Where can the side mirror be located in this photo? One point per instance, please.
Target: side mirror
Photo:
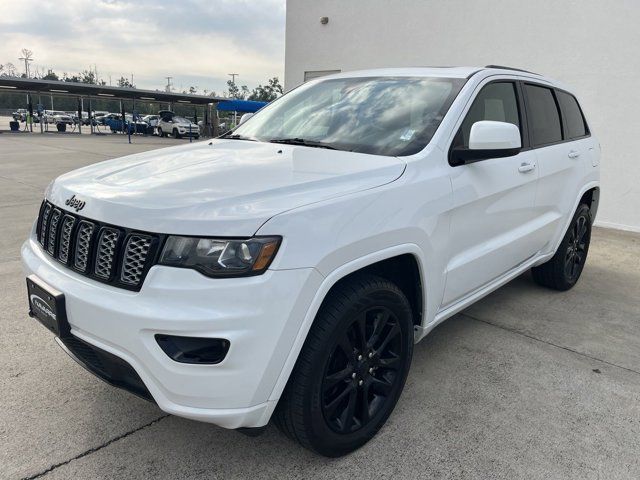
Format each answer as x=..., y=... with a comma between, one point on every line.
x=245, y=117
x=488, y=139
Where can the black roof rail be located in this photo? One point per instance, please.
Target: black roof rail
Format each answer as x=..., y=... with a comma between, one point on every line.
x=502, y=67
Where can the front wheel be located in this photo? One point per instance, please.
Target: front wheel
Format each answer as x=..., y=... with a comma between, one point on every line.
x=352, y=367
x=565, y=267
x=176, y=134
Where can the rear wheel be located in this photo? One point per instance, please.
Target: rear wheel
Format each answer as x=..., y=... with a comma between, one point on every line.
x=160, y=134
x=565, y=267
x=352, y=368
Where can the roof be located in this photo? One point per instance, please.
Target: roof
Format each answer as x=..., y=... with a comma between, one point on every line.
x=17, y=84
x=450, y=72
x=447, y=72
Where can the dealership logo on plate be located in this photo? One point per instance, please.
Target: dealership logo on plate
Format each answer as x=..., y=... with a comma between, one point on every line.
x=42, y=306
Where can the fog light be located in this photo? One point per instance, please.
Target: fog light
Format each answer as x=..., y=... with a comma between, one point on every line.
x=194, y=350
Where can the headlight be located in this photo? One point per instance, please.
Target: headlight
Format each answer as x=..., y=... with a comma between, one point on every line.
x=217, y=257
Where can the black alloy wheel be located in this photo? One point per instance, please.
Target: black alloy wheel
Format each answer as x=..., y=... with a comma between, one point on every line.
x=563, y=270
x=352, y=367
x=362, y=370
x=576, y=253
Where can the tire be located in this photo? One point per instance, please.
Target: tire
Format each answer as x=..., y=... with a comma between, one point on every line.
x=323, y=405
x=565, y=267
x=176, y=134
x=160, y=134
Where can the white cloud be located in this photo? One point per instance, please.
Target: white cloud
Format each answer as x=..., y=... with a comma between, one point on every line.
x=197, y=42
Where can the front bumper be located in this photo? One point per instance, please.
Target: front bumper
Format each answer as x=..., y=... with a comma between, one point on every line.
x=194, y=132
x=260, y=316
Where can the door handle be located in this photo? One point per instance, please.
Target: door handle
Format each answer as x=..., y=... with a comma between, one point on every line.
x=573, y=154
x=526, y=167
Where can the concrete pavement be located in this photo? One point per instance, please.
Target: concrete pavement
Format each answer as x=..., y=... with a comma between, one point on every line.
x=527, y=383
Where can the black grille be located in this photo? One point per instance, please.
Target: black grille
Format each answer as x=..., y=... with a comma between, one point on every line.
x=83, y=245
x=115, y=255
x=135, y=255
x=107, y=244
x=65, y=238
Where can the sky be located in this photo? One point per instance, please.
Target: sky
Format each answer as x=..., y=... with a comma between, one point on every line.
x=197, y=42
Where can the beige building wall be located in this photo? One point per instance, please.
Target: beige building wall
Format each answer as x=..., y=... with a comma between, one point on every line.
x=592, y=45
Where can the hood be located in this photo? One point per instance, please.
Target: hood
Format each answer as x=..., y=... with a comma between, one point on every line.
x=222, y=187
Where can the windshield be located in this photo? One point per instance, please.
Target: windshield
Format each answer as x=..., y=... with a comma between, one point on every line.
x=376, y=115
x=180, y=120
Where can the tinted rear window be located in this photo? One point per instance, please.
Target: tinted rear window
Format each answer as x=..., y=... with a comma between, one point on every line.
x=573, y=116
x=542, y=111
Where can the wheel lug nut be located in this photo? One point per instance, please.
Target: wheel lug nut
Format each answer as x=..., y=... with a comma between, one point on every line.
x=370, y=354
x=371, y=370
x=360, y=382
x=359, y=357
x=353, y=375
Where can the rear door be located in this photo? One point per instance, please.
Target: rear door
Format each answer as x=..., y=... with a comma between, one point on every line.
x=491, y=221
x=561, y=141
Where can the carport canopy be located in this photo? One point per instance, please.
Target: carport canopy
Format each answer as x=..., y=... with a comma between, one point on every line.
x=244, y=106
x=56, y=87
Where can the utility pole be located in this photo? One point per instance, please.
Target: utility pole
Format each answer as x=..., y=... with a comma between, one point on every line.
x=168, y=87
x=27, y=57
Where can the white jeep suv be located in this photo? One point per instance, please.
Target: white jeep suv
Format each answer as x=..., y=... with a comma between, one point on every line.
x=178, y=127
x=286, y=269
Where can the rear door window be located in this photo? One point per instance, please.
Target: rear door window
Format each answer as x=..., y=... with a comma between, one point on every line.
x=543, y=115
x=574, y=121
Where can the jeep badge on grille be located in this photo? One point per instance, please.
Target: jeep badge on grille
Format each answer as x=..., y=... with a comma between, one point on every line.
x=75, y=203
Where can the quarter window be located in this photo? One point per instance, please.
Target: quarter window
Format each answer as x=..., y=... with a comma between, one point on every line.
x=574, y=120
x=544, y=119
x=496, y=101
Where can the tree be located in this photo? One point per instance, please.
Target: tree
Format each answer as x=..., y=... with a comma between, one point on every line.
x=124, y=82
x=268, y=92
x=51, y=75
x=8, y=70
x=234, y=92
x=88, y=76
x=193, y=90
x=73, y=78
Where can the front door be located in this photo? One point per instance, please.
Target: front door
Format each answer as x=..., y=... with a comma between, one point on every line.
x=493, y=201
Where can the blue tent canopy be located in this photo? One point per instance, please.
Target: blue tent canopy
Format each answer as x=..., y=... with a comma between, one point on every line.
x=245, y=106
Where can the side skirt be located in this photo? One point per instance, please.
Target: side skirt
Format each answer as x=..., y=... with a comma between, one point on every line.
x=449, y=311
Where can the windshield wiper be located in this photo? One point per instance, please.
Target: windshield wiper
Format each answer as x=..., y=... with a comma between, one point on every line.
x=303, y=142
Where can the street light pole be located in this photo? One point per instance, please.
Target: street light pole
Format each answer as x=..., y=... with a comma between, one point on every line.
x=233, y=80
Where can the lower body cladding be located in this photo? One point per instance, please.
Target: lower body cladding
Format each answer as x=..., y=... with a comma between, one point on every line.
x=257, y=317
